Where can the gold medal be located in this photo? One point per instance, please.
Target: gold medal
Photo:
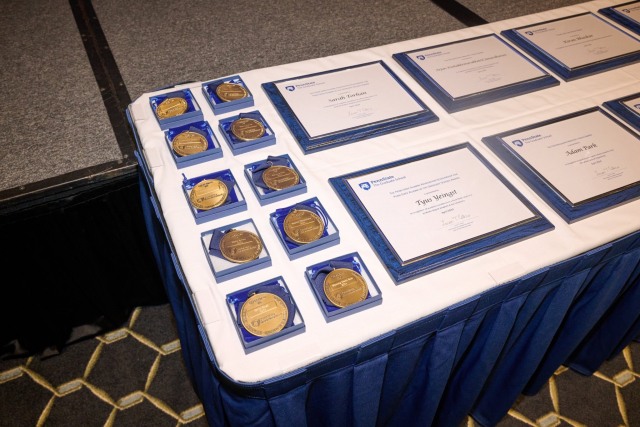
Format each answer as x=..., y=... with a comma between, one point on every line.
x=208, y=194
x=303, y=226
x=344, y=287
x=171, y=107
x=231, y=91
x=247, y=129
x=240, y=246
x=264, y=314
x=187, y=143
x=280, y=177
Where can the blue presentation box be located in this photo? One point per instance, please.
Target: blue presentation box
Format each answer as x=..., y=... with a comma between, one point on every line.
x=310, y=144
x=630, y=116
x=218, y=105
x=193, y=113
x=266, y=197
x=563, y=71
x=543, y=188
x=332, y=312
x=240, y=147
x=620, y=16
x=452, y=104
x=238, y=202
x=251, y=343
x=223, y=269
x=213, y=151
x=332, y=237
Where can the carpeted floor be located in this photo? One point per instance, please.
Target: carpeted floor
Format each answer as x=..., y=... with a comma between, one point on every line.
x=135, y=376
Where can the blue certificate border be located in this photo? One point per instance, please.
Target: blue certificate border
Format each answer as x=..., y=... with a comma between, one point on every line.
x=445, y=257
x=620, y=18
x=625, y=113
x=568, y=211
x=564, y=72
x=347, y=136
x=452, y=104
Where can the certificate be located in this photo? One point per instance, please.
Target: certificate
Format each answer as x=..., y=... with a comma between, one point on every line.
x=474, y=66
x=431, y=204
x=580, y=40
x=631, y=11
x=346, y=99
x=582, y=158
x=346, y=105
x=427, y=212
x=633, y=104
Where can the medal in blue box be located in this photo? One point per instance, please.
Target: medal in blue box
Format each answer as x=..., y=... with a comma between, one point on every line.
x=192, y=144
x=265, y=314
x=235, y=250
x=175, y=108
x=304, y=228
x=228, y=94
x=275, y=178
x=343, y=286
x=246, y=132
x=213, y=196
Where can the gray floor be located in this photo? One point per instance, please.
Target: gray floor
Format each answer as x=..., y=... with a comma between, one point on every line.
x=492, y=10
x=52, y=117
x=165, y=42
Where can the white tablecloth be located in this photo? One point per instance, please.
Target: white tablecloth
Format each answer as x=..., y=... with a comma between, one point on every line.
x=407, y=302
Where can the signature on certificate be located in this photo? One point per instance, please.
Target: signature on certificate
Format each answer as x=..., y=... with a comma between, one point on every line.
x=454, y=219
x=606, y=170
x=359, y=112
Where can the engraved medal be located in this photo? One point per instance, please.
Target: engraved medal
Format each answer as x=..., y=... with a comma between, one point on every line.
x=208, y=194
x=344, y=287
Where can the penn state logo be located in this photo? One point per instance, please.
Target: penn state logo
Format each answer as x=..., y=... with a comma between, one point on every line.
x=518, y=143
x=365, y=186
x=626, y=10
x=420, y=57
x=637, y=106
x=290, y=88
x=529, y=33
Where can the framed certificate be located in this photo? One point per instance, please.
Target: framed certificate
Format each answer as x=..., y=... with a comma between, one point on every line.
x=473, y=72
x=577, y=46
x=626, y=14
x=580, y=164
x=427, y=212
x=626, y=108
x=332, y=108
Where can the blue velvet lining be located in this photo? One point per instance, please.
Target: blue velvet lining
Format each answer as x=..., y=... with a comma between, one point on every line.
x=201, y=127
x=211, y=89
x=185, y=94
x=318, y=273
x=238, y=299
x=311, y=205
x=226, y=126
x=224, y=176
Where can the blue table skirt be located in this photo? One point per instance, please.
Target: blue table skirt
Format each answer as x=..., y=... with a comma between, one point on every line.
x=474, y=358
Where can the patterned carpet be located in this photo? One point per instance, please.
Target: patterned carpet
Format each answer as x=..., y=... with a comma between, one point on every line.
x=135, y=376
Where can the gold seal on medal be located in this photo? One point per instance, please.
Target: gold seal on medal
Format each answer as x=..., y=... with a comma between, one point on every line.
x=187, y=143
x=303, y=226
x=208, y=194
x=231, y=91
x=247, y=129
x=280, y=177
x=171, y=107
x=344, y=287
x=240, y=246
x=264, y=314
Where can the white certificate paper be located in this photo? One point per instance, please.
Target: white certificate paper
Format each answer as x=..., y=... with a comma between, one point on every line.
x=431, y=204
x=342, y=100
x=630, y=10
x=475, y=66
x=583, y=157
x=580, y=40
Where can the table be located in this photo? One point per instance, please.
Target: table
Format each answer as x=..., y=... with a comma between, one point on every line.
x=467, y=339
